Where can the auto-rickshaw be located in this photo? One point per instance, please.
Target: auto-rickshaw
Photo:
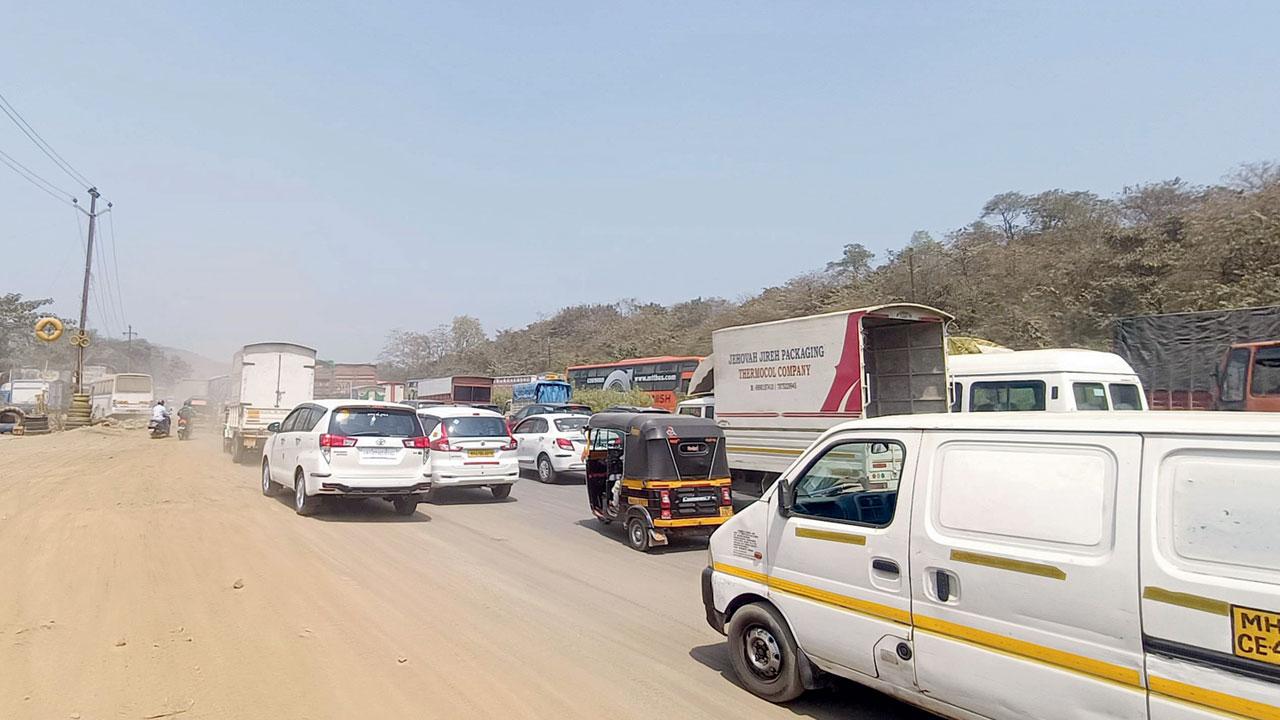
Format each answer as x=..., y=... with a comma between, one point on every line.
x=658, y=475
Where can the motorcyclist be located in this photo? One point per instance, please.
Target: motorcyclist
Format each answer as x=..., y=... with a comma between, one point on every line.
x=160, y=415
x=187, y=411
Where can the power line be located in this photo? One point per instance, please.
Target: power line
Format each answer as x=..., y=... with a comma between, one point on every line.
x=115, y=264
x=30, y=176
x=41, y=143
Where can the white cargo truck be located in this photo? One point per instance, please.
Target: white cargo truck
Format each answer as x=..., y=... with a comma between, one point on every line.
x=779, y=385
x=268, y=380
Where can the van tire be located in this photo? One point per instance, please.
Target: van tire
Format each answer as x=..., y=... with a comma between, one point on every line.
x=304, y=504
x=638, y=534
x=500, y=492
x=546, y=471
x=764, y=654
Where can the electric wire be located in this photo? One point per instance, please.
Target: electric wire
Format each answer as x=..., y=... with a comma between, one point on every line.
x=32, y=177
x=41, y=143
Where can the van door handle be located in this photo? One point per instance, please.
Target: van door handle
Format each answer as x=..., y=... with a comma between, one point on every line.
x=885, y=566
x=945, y=585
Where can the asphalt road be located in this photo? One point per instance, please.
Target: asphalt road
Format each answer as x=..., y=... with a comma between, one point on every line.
x=148, y=579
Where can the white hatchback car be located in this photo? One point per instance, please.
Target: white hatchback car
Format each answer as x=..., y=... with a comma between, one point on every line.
x=551, y=444
x=354, y=448
x=469, y=447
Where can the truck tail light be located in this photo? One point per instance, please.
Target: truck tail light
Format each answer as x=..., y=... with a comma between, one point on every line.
x=336, y=441
x=564, y=443
x=726, y=496
x=664, y=498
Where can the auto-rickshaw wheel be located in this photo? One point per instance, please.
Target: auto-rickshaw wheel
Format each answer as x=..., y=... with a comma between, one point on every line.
x=638, y=534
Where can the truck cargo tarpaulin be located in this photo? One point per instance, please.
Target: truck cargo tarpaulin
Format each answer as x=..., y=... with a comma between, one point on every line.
x=1177, y=355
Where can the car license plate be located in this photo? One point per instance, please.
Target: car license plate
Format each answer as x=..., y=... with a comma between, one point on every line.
x=479, y=453
x=1256, y=634
x=378, y=452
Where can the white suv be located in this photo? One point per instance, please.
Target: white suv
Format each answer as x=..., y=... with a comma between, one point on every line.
x=469, y=447
x=551, y=444
x=353, y=448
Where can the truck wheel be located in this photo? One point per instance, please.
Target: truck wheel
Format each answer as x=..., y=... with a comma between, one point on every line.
x=303, y=504
x=405, y=506
x=546, y=472
x=638, y=534
x=764, y=654
x=500, y=491
x=237, y=450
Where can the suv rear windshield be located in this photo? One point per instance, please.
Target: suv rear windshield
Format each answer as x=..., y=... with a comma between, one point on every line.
x=568, y=424
x=473, y=427
x=374, y=422
x=568, y=409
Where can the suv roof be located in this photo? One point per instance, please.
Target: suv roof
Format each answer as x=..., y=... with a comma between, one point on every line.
x=352, y=402
x=556, y=416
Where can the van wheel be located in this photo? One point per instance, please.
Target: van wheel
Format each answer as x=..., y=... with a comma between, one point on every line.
x=546, y=473
x=405, y=506
x=268, y=487
x=764, y=654
x=500, y=491
x=637, y=535
x=303, y=504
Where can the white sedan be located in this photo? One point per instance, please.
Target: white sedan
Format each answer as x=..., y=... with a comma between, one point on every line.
x=551, y=444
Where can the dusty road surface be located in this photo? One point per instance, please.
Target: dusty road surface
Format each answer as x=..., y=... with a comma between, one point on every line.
x=151, y=579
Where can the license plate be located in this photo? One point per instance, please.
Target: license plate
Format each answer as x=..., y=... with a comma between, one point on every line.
x=726, y=512
x=378, y=452
x=698, y=499
x=479, y=453
x=1256, y=634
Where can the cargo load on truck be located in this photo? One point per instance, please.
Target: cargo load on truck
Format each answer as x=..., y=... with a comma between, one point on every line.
x=268, y=380
x=778, y=385
x=463, y=389
x=1216, y=359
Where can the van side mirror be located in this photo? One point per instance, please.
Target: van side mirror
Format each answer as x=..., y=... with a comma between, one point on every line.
x=273, y=427
x=879, y=448
x=784, y=498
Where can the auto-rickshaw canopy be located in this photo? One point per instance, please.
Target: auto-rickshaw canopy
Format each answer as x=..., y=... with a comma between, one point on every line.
x=665, y=447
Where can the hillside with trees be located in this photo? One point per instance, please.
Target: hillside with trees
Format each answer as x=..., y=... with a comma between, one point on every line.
x=1050, y=269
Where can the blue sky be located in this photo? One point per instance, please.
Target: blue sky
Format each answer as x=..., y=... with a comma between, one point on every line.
x=324, y=172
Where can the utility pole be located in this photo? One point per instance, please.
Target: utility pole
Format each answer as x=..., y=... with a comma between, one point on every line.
x=911, y=268
x=128, y=352
x=84, y=293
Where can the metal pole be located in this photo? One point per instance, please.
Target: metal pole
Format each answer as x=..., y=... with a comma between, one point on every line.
x=128, y=352
x=84, y=293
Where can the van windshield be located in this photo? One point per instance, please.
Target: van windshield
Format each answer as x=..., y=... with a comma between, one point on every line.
x=374, y=422
x=475, y=427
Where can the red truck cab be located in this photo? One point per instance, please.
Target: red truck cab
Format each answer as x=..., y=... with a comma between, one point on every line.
x=1249, y=378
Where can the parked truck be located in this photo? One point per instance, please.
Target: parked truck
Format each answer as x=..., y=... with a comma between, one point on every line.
x=465, y=389
x=778, y=385
x=1215, y=359
x=268, y=380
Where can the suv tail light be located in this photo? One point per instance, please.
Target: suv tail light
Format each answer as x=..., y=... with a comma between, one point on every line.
x=726, y=497
x=336, y=441
x=664, y=498
x=419, y=442
x=511, y=443
x=564, y=443
x=441, y=443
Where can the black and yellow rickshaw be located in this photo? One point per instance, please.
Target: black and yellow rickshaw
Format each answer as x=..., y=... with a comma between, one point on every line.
x=657, y=474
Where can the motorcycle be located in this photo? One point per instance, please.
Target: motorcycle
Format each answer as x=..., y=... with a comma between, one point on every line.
x=159, y=428
x=184, y=428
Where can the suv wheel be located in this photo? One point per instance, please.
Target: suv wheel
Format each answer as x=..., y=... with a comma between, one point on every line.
x=303, y=504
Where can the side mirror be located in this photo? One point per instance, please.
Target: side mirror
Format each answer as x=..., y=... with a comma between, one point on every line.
x=273, y=427
x=784, y=498
x=879, y=448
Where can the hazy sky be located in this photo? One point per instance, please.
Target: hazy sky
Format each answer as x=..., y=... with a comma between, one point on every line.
x=323, y=172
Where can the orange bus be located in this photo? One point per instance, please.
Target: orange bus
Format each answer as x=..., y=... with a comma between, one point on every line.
x=661, y=377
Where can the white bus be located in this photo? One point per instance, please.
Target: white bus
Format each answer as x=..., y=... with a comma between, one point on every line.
x=122, y=395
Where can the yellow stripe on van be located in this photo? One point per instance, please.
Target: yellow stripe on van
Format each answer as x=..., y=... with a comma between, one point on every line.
x=832, y=536
x=844, y=602
x=1187, y=600
x=763, y=450
x=1050, y=656
x=1003, y=563
x=1213, y=699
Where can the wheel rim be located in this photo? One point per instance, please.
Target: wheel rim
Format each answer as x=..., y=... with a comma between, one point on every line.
x=637, y=534
x=763, y=655
x=266, y=477
x=544, y=470
x=299, y=492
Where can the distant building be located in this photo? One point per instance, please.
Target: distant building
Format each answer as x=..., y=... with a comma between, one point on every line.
x=336, y=380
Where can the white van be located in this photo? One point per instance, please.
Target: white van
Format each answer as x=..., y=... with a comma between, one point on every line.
x=1108, y=565
x=703, y=407
x=1061, y=380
